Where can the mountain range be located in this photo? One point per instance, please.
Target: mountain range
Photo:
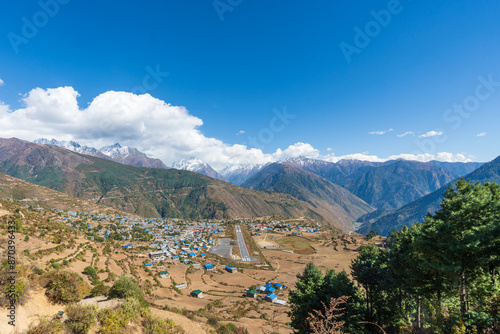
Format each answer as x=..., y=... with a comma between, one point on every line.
x=118, y=153
x=383, y=185
x=379, y=195
x=150, y=192
x=417, y=210
x=327, y=198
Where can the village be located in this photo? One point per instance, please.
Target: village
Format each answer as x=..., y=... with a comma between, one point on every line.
x=196, y=268
x=184, y=243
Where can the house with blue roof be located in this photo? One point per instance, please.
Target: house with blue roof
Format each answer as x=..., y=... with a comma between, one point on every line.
x=270, y=290
x=231, y=269
x=271, y=297
x=209, y=266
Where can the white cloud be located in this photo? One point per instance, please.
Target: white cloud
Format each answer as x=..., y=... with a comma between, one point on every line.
x=240, y=132
x=382, y=132
x=3, y=108
x=482, y=134
x=431, y=134
x=296, y=150
x=329, y=149
x=355, y=156
x=424, y=157
x=2, y=83
x=153, y=126
x=405, y=134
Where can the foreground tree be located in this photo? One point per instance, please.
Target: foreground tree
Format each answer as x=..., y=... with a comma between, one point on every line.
x=461, y=241
x=314, y=293
x=126, y=287
x=304, y=299
x=440, y=276
x=366, y=269
x=65, y=287
x=330, y=322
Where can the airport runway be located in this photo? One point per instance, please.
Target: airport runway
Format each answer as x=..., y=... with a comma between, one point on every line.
x=245, y=256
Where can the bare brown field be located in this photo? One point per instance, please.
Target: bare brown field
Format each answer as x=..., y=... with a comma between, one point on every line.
x=189, y=326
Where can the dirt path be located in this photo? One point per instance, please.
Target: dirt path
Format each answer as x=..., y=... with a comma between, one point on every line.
x=37, y=305
x=102, y=302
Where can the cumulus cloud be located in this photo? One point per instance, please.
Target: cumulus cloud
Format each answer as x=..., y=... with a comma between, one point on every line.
x=382, y=132
x=431, y=134
x=482, y=134
x=155, y=127
x=296, y=150
x=405, y=134
x=241, y=132
x=2, y=83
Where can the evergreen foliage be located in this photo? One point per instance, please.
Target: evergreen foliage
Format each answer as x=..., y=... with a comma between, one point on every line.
x=440, y=275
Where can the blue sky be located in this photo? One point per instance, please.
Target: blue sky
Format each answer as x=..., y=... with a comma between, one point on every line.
x=235, y=64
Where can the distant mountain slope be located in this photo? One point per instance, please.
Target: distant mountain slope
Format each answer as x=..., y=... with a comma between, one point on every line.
x=238, y=174
x=383, y=185
x=458, y=168
x=395, y=184
x=149, y=192
x=198, y=166
x=415, y=211
x=335, y=172
x=14, y=189
x=326, y=197
x=121, y=154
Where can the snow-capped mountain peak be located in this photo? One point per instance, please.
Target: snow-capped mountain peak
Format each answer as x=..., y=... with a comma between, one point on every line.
x=238, y=174
x=115, y=150
x=192, y=164
x=69, y=145
x=240, y=168
x=198, y=166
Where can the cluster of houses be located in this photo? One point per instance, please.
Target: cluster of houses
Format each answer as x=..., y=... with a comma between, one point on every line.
x=163, y=231
x=270, y=292
x=176, y=240
x=184, y=244
x=280, y=226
